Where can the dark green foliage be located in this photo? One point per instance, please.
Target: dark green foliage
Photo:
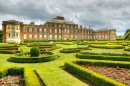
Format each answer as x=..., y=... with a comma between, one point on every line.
x=126, y=35
x=3, y=72
x=46, y=52
x=20, y=58
x=33, y=59
x=15, y=71
x=73, y=50
x=1, y=37
x=106, y=46
x=34, y=52
x=95, y=78
x=103, y=57
x=29, y=76
x=9, y=48
x=70, y=51
x=10, y=51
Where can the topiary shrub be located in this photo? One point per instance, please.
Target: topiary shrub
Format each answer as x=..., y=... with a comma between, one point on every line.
x=34, y=52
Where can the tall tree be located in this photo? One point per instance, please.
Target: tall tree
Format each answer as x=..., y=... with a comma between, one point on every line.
x=127, y=34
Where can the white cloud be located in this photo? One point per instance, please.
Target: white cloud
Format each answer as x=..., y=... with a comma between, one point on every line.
x=94, y=13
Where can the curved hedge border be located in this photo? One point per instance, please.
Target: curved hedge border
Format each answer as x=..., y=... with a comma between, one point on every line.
x=29, y=76
x=103, y=57
x=97, y=79
x=105, y=46
x=47, y=58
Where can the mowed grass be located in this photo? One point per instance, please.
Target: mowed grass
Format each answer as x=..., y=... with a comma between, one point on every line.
x=50, y=72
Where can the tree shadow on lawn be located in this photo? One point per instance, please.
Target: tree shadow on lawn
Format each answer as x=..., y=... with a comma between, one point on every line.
x=78, y=77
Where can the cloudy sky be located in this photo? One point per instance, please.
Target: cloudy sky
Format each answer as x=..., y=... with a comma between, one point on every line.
x=95, y=13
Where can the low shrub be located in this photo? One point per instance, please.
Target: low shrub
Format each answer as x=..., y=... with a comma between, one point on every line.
x=31, y=41
x=10, y=51
x=70, y=51
x=41, y=44
x=6, y=45
x=127, y=49
x=73, y=50
x=67, y=43
x=9, y=48
x=97, y=79
x=46, y=52
x=15, y=71
x=34, y=52
x=106, y=46
x=105, y=53
x=29, y=76
x=103, y=57
x=45, y=58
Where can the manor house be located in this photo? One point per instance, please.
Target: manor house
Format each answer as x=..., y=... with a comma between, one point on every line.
x=54, y=29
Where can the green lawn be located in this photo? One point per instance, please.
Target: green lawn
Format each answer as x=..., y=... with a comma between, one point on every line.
x=50, y=72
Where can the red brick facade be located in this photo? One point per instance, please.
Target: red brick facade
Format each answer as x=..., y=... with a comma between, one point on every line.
x=54, y=29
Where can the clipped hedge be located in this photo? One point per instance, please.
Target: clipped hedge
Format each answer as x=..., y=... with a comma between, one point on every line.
x=19, y=58
x=105, y=53
x=29, y=76
x=70, y=51
x=67, y=43
x=73, y=50
x=97, y=79
x=41, y=44
x=106, y=46
x=10, y=51
x=9, y=48
x=32, y=59
x=103, y=57
x=30, y=41
x=127, y=49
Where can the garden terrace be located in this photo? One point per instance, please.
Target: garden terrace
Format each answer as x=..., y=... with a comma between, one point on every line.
x=97, y=79
x=29, y=76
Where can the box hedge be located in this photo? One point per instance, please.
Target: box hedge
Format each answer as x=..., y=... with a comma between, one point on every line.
x=103, y=57
x=97, y=79
x=29, y=76
x=106, y=46
x=45, y=58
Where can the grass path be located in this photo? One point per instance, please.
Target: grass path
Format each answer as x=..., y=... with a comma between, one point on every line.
x=50, y=72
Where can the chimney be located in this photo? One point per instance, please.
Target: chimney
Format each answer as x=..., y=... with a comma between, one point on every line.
x=81, y=26
x=89, y=27
x=32, y=23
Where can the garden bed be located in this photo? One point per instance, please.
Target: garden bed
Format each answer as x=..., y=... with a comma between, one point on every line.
x=119, y=74
x=96, y=78
x=12, y=80
x=25, y=74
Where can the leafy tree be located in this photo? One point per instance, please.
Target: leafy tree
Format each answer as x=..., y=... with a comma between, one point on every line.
x=127, y=34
